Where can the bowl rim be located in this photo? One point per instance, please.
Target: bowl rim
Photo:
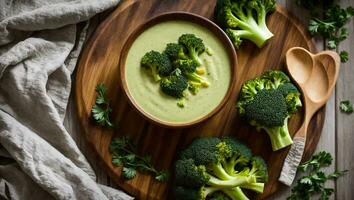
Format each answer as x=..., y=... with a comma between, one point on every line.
x=183, y=16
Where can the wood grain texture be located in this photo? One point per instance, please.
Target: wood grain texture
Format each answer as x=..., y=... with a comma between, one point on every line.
x=344, y=122
x=99, y=63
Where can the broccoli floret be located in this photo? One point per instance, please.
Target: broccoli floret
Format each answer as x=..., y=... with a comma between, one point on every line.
x=188, y=68
x=211, y=165
x=245, y=19
x=267, y=102
x=181, y=103
x=194, y=87
x=292, y=96
x=199, y=79
x=158, y=63
x=174, y=85
x=175, y=51
x=293, y=102
x=241, y=155
x=262, y=108
x=287, y=88
x=259, y=169
x=194, y=45
x=273, y=79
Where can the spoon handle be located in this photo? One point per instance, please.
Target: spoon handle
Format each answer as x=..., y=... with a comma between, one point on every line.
x=294, y=157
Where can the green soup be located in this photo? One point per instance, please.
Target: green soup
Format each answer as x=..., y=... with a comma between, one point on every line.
x=147, y=93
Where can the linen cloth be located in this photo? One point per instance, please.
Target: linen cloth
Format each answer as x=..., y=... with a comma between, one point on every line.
x=40, y=41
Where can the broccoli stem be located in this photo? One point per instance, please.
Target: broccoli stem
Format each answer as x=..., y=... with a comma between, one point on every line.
x=232, y=182
x=230, y=165
x=235, y=194
x=257, y=33
x=261, y=33
x=279, y=136
x=155, y=74
x=181, y=55
x=208, y=191
x=195, y=56
x=220, y=172
x=195, y=77
x=257, y=187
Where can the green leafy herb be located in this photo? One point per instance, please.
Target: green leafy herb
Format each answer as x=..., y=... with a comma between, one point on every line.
x=313, y=182
x=128, y=173
x=124, y=154
x=101, y=110
x=317, y=161
x=328, y=20
x=344, y=56
x=346, y=106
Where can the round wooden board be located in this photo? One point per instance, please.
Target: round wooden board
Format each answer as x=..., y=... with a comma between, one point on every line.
x=99, y=63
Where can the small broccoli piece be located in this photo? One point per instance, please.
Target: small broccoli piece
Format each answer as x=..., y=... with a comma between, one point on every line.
x=267, y=102
x=174, y=85
x=200, y=70
x=175, y=51
x=188, y=68
x=194, y=45
x=158, y=63
x=194, y=87
x=218, y=165
x=209, y=51
x=245, y=19
x=181, y=103
x=197, y=78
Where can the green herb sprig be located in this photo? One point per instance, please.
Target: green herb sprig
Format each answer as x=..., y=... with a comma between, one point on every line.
x=101, y=110
x=313, y=183
x=329, y=20
x=346, y=107
x=124, y=154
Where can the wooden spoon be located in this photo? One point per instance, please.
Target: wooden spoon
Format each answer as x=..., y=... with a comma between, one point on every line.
x=316, y=75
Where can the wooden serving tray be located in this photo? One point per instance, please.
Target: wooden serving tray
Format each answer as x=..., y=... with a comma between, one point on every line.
x=99, y=63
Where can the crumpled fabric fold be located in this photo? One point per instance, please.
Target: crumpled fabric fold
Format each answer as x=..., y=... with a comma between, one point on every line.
x=40, y=41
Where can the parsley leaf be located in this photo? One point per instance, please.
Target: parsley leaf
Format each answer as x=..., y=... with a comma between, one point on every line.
x=162, y=176
x=346, y=107
x=344, y=56
x=124, y=154
x=313, y=183
x=321, y=159
x=128, y=173
x=101, y=110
